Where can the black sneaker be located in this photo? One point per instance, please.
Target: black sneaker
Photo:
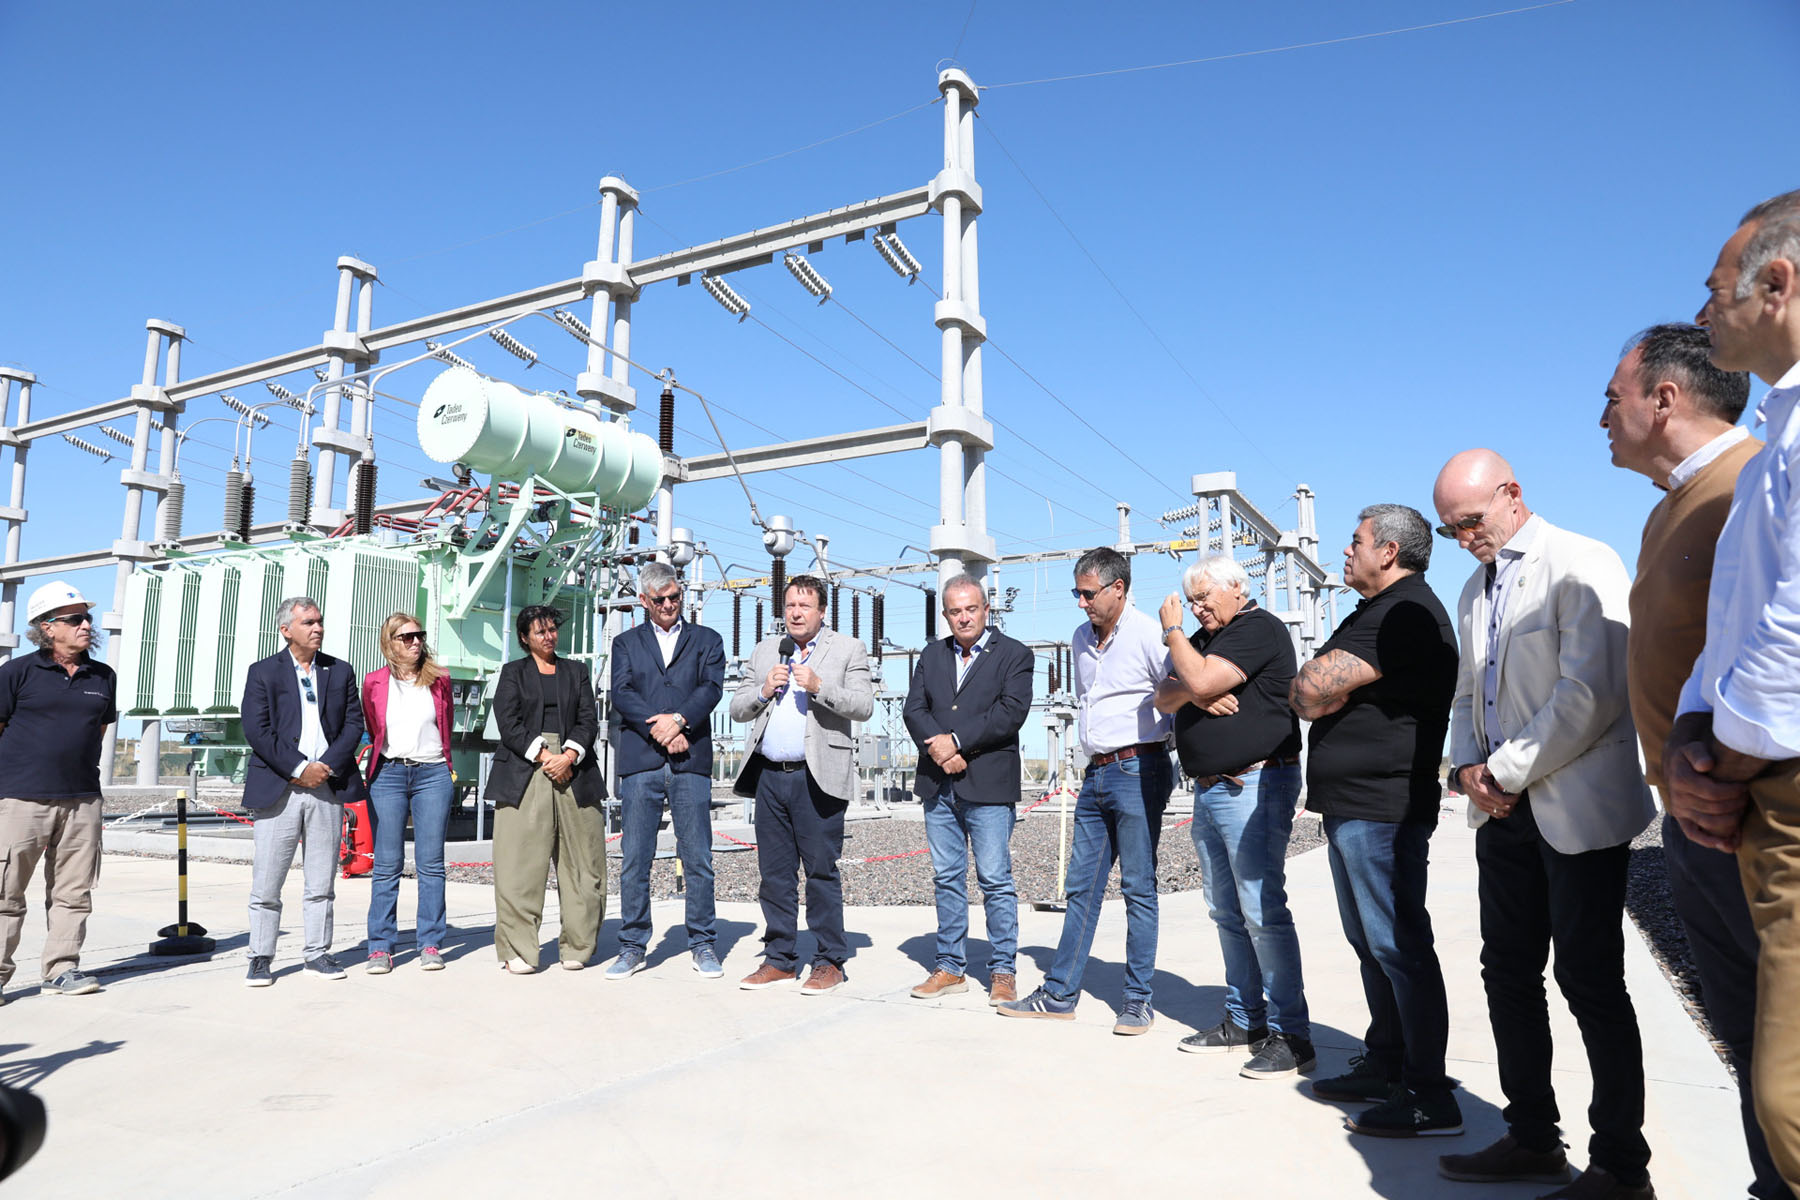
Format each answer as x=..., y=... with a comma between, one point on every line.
x=1407, y=1113
x=260, y=975
x=1506, y=1161
x=1226, y=1035
x=1365, y=1081
x=1278, y=1056
x=324, y=967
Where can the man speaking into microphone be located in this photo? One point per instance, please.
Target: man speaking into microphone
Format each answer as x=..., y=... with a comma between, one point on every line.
x=802, y=693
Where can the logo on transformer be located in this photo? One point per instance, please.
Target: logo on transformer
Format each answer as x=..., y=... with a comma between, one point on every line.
x=439, y=415
x=583, y=440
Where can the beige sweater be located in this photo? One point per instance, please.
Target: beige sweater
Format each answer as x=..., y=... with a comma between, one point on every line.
x=1668, y=598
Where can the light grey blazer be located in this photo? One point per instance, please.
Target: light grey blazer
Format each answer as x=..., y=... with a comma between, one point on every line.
x=846, y=694
x=1562, y=707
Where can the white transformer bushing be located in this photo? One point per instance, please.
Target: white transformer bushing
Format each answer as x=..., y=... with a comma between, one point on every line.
x=509, y=434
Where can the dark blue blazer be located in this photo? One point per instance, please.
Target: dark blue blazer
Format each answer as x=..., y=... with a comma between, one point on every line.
x=985, y=714
x=692, y=685
x=271, y=719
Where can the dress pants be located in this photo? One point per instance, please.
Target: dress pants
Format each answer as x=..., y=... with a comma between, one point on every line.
x=65, y=835
x=309, y=820
x=1769, y=861
x=548, y=822
x=1533, y=896
x=799, y=827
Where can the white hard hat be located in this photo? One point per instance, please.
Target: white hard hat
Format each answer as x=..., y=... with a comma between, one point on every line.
x=51, y=597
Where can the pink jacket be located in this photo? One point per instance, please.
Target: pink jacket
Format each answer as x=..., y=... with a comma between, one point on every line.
x=374, y=703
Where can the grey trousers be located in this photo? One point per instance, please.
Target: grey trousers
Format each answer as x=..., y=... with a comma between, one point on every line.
x=313, y=822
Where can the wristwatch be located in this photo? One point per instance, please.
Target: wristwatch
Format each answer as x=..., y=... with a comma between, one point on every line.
x=1168, y=629
x=681, y=721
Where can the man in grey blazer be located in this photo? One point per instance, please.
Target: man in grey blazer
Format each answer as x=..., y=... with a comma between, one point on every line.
x=802, y=693
x=1544, y=747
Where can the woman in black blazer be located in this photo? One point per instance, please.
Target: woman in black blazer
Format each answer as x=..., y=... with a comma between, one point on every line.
x=548, y=795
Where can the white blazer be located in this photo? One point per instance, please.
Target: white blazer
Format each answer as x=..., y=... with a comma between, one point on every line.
x=1561, y=703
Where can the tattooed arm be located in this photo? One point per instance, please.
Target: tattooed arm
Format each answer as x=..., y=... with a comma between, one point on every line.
x=1324, y=683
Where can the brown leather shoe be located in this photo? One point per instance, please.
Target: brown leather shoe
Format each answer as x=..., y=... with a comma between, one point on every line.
x=766, y=976
x=941, y=983
x=824, y=977
x=1002, y=988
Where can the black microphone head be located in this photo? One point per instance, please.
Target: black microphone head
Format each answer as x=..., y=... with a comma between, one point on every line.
x=787, y=646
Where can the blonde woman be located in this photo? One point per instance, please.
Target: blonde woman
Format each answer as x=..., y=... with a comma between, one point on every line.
x=407, y=704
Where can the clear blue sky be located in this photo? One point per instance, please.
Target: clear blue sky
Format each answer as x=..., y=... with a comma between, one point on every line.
x=1361, y=257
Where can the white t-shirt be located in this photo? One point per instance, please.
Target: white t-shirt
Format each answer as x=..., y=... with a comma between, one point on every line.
x=412, y=728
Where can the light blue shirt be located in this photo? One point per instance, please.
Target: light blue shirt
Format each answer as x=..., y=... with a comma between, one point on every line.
x=964, y=664
x=784, y=737
x=1748, y=677
x=1503, y=574
x=1115, y=683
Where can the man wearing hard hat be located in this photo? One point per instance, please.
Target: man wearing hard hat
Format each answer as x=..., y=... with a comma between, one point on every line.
x=55, y=707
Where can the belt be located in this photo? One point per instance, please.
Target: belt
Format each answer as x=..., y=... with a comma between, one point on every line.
x=1106, y=760
x=412, y=762
x=771, y=764
x=1202, y=782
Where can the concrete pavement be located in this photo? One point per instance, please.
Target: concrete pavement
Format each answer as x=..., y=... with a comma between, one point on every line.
x=179, y=1081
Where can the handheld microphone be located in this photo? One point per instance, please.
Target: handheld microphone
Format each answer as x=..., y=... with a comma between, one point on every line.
x=786, y=649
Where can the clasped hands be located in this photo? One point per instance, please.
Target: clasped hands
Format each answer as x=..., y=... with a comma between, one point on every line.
x=1480, y=786
x=669, y=732
x=943, y=751
x=1706, y=784
x=559, y=767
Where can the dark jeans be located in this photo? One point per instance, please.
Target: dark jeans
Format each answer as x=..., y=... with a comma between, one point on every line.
x=1708, y=894
x=641, y=798
x=798, y=826
x=1532, y=897
x=1378, y=869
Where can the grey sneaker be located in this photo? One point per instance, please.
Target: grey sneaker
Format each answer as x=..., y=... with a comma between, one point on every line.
x=324, y=967
x=1278, y=1056
x=1134, y=1018
x=706, y=961
x=380, y=963
x=71, y=983
x=1040, y=1005
x=431, y=959
x=259, y=974
x=629, y=962
x=1226, y=1035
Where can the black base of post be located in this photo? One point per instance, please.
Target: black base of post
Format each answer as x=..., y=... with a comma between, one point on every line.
x=175, y=944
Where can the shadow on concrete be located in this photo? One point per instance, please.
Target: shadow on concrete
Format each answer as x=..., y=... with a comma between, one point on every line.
x=674, y=943
x=29, y=1072
x=922, y=950
x=1406, y=1168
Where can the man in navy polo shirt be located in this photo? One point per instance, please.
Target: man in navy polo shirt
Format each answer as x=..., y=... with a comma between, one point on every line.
x=55, y=707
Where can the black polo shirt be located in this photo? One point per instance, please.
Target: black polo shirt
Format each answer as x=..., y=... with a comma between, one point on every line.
x=50, y=748
x=1256, y=643
x=1377, y=758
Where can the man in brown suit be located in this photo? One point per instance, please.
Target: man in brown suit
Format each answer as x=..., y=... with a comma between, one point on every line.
x=1671, y=416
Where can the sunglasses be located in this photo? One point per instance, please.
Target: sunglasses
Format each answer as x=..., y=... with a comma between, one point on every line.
x=413, y=638
x=1471, y=524
x=75, y=620
x=306, y=683
x=1088, y=594
x=661, y=601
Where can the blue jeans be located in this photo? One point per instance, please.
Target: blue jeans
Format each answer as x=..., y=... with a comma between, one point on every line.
x=952, y=828
x=1379, y=869
x=1241, y=835
x=641, y=797
x=1118, y=818
x=425, y=790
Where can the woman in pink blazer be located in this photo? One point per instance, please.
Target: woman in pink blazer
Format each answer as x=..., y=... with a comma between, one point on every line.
x=407, y=707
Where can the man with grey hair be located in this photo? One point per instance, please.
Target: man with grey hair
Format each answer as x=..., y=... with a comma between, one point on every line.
x=1119, y=662
x=1378, y=694
x=1732, y=767
x=1544, y=749
x=55, y=707
x=1239, y=740
x=667, y=677
x=303, y=721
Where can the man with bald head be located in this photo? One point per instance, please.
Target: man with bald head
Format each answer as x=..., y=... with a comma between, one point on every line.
x=1545, y=751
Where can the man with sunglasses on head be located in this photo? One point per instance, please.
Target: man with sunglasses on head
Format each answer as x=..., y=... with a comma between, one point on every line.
x=1544, y=749
x=56, y=706
x=667, y=677
x=303, y=720
x=1119, y=662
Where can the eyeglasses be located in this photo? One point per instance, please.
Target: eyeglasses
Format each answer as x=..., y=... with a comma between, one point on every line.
x=410, y=637
x=73, y=620
x=1471, y=524
x=660, y=601
x=1088, y=594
